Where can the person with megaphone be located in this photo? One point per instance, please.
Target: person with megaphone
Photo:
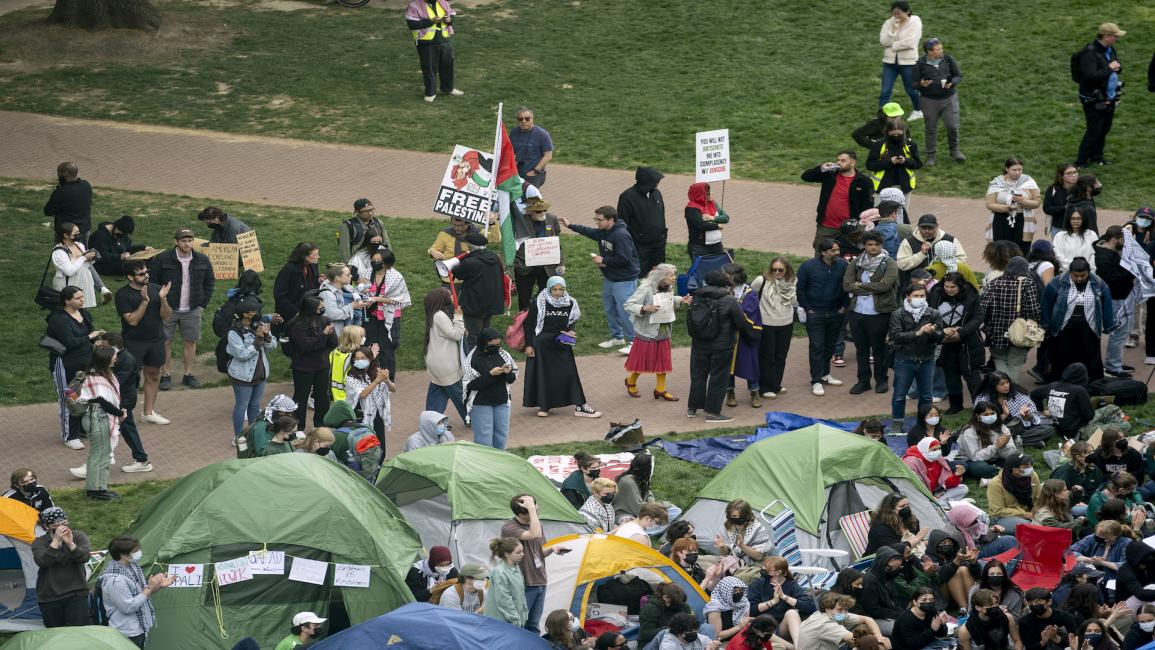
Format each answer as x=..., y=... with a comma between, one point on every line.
x=482, y=291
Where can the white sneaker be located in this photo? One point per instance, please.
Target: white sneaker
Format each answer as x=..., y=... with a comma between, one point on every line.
x=457, y=93
x=626, y=350
x=153, y=418
x=782, y=391
x=79, y=472
x=915, y=115
x=832, y=381
x=817, y=389
x=771, y=394
x=983, y=482
x=612, y=343
x=75, y=443
x=1149, y=361
x=137, y=467
x=935, y=399
x=430, y=98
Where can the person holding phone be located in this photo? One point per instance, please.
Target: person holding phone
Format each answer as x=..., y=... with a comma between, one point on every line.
x=249, y=342
x=489, y=372
x=526, y=527
x=1012, y=198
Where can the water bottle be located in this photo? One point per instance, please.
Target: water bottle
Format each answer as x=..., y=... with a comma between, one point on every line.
x=242, y=444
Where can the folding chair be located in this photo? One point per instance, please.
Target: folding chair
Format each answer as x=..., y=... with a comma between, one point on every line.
x=785, y=534
x=856, y=527
x=1043, y=558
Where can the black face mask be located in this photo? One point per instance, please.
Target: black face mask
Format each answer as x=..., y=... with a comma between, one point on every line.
x=609, y=498
x=1121, y=444
x=1038, y=610
x=691, y=558
x=690, y=637
x=322, y=451
x=904, y=512
x=928, y=608
x=1099, y=539
x=29, y=489
x=594, y=473
x=377, y=266
x=948, y=552
x=216, y=226
x=996, y=581
x=490, y=349
x=738, y=520
x=893, y=571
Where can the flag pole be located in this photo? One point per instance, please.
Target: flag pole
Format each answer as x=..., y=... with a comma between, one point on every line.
x=496, y=158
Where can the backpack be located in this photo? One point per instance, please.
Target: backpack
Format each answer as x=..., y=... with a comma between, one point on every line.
x=1105, y=416
x=222, y=356
x=72, y=392
x=224, y=317
x=1125, y=391
x=96, y=609
x=703, y=321
x=514, y=334
x=364, y=453
x=1076, y=65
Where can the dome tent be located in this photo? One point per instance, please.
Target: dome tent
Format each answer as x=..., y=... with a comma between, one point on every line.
x=18, y=527
x=421, y=626
x=88, y=637
x=304, y=505
x=820, y=473
x=457, y=495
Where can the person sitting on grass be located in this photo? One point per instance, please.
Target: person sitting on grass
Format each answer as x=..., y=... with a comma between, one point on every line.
x=778, y=594
x=669, y=600
x=650, y=515
x=598, y=509
x=985, y=444
x=284, y=430
x=576, y=486
x=1123, y=486
x=1082, y=478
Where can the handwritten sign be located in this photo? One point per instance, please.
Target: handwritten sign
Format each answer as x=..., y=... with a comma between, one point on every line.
x=310, y=571
x=350, y=575
x=267, y=563
x=557, y=468
x=223, y=257
x=712, y=156
x=232, y=571
x=251, y=251
x=465, y=186
x=187, y=575
x=664, y=301
x=543, y=251
x=607, y=612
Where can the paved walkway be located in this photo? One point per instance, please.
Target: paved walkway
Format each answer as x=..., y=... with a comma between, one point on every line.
x=768, y=216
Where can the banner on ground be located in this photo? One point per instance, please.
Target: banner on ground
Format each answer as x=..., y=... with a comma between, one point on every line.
x=712, y=156
x=465, y=190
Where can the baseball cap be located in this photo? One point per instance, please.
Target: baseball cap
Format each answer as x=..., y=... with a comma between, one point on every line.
x=1086, y=570
x=1111, y=29
x=360, y=204
x=474, y=570
x=307, y=617
x=892, y=109
x=181, y=233
x=1146, y=212
x=927, y=220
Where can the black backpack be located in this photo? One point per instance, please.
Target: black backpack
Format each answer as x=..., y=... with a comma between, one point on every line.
x=222, y=355
x=224, y=317
x=1076, y=65
x=702, y=323
x=96, y=608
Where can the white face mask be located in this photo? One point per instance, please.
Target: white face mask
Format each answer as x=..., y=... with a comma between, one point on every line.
x=932, y=420
x=479, y=585
x=361, y=364
x=918, y=303
x=136, y=555
x=574, y=624
x=1027, y=471
x=444, y=569
x=933, y=455
x=988, y=419
x=362, y=344
x=1148, y=627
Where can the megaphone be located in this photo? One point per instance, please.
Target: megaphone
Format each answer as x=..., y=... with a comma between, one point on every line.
x=445, y=267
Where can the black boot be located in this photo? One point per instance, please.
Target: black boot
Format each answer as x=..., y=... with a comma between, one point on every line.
x=956, y=404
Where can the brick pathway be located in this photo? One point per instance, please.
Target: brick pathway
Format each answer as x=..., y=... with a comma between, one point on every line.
x=767, y=216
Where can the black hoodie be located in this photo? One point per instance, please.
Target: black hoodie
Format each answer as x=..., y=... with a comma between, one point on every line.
x=482, y=289
x=1067, y=400
x=1135, y=573
x=643, y=209
x=946, y=566
x=879, y=598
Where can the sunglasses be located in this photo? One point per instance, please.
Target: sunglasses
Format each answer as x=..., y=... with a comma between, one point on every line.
x=525, y=119
x=777, y=270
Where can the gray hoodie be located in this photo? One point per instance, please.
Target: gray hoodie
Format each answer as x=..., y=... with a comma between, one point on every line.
x=427, y=435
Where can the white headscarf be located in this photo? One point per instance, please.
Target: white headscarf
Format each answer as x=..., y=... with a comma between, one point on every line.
x=546, y=298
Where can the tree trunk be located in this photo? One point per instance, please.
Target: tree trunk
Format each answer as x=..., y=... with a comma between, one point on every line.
x=105, y=14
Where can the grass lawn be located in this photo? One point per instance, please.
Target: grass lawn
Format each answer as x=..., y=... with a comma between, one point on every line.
x=24, y=379
x=615, y=85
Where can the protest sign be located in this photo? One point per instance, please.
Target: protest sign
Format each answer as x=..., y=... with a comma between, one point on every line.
x=251, y=251
x=664, y=301
x=232, y=571
x=712, y=156
x=187, y=575
x=465, y=187
x=310, y=571
x=267, y=563
x=542, y=251
x=223, y=257
x=350, y=575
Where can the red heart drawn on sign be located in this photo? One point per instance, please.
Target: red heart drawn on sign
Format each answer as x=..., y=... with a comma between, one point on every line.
x=190, y=569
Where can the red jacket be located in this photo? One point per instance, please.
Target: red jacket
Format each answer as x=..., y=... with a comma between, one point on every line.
x=936, y=476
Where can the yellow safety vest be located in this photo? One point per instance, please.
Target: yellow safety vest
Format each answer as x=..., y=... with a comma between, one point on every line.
x=436, y=11
x=877, y=176
x=338, y=368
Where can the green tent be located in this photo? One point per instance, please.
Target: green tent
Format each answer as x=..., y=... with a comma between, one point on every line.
x=820, y=473
x=89, y=637
x=458, y=495
x=300, y=504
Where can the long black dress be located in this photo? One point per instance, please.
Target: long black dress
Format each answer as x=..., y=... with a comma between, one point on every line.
x=551, y=375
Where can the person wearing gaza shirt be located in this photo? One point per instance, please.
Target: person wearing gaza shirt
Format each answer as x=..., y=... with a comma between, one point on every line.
x=526, y=527
x=846, y=193
x=143, y=309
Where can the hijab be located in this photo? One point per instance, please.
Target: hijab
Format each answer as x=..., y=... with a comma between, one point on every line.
x=564, y=302
x=971, y=522
x=698, y=201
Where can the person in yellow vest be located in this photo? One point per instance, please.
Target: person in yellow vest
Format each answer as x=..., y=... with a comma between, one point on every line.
x=893, y=159
x=431, y=22
x=341, y=358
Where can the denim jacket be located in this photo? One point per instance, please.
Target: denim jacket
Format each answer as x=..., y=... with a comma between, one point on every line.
x=243, y=364
x=1055, y=305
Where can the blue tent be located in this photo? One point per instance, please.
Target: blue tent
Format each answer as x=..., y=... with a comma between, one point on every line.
x=421, y=626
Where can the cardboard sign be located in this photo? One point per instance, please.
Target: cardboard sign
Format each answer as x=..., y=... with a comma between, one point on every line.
x=267, y=563
x=310, y=571
x=664, y=301
x=607, y=612
x=350, y=575
x=223, y=257
x=187, y=575
x=465, y=190
x=144, y=255
x=251, y=251
x=543, y=251
x=712, y=156
x=232, y=571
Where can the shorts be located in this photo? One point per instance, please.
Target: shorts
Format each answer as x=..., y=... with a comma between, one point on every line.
x=190, y=324
x=150, y=354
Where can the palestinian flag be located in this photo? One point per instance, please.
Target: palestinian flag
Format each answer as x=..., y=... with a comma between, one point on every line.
x=507, y=187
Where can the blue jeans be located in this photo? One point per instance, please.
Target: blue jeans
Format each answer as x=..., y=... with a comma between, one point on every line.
x=905, y=374
x=437, y=398
x=997, y=546
x=614, y=296
x=535, y=601
x=890, y=240
x=938, y=386
x=247, y=401
x=891, y=72
x=1115, y=341
x=491, y=426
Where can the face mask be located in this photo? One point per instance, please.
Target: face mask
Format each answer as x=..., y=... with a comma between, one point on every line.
x=932, y=420
x=739, y=595
x=361, y=364
x=441, y=429
x=1149, y=626
x=1092, y=637
x=609, y=498
x=1144, y=224
x=30, y=488
x=1100, y=540
x=996, y=581
x=377, y=266
x=1121, y=444
x=443, y=569
x=988, y=419
x=691, y=558
x=933, y=455
x=491, y=349
x=840, y=616
x=905, y=512
x=738, y=520
x=479, y=585
x=321, y=451
x=948, y=552
x=574, y=624
x=928, y=608
x=1027, y=471
x=136, y=555
x=594, y=473
x=918, y=303
x=1038, y=610
x=690, y=637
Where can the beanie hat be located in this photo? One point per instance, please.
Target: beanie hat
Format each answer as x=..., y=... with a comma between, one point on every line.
x=125, y=224
x=439, y=555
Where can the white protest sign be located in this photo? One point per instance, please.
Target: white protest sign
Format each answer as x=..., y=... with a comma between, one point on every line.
x=543, y=251
x=232, y=571
x=350, y=575
x=187, y=575
x=664, y=301
x=712, y=156
x=465, y=186
x=310, y=571
x=607, y=612
x=269, y=563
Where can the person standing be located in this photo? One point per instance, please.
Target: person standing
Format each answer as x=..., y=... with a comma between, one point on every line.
x=1099, y=90
x=711, y=352
x=551, y=374
x=507, y=588
x=1055, y=198
x=893, y=160
x=71, y=201
x=450, y=241
x=916, y=331
x=532, y=147
x=127, y=593
x=822, y=300
x=431, y=22
x=298, y=276
x=1110, y=269
x=538, y=222
x=917, y=250
x=61, y=553
x=74, y=266
x=651, y=350
x=489, y=371
x=127, y=371
x=191, y=275
x=642, y=208
x=248, y=345
x=70, y=325
x=224, y=226
x=311, y=338
x=1010, y=296
x=899, y=37
x=618, y=260
x=778, y=300
x=846, y=193
x=961, y=355
x=704, y=221
x=1012, y=198
x=353, y=229
x=870, y=280
x=144, y=308
x=1077, y=309
x=525, y=526
x=482, y=291
x=939, y=76
x=444, y=330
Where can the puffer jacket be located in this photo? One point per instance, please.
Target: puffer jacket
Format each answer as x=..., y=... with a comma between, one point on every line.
x=902, y=46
